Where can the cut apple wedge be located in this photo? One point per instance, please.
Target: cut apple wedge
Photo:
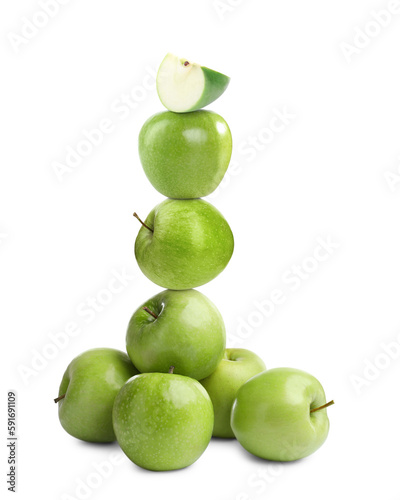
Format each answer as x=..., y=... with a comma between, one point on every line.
x=184, y=86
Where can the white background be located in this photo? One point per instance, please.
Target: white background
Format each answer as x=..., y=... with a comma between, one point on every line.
x=325, y=175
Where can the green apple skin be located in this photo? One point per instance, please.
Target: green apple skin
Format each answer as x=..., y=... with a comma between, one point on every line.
x=236, y=368
x=90, y=384
x=191, y=243
x=271, y=415
x=184, y=86
x=185, y=156
x=189, y=334
x=163, y=421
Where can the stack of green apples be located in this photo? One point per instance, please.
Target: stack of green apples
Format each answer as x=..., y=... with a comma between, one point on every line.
x=179, y=385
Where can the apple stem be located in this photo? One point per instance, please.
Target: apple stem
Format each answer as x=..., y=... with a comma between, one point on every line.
x=59, y=398
x=141, y=222
x=186, y=63
x=171, y=369
x=145, y=308
x=323, y=406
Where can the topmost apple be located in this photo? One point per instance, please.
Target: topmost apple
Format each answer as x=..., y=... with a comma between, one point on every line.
x=185, y=156
x=184, y=86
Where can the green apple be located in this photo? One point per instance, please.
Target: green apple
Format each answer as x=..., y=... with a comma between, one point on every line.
x=180, y=328
x=185, y=86
x=183, y=244
x=236, y=367
x=281, y=415
x=185, y=156
x=163, y=421
x=87, y=392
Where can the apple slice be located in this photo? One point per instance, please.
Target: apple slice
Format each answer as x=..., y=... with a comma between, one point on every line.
x=184, y=86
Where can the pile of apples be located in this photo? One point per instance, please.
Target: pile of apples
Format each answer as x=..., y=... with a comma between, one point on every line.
x=179, y=385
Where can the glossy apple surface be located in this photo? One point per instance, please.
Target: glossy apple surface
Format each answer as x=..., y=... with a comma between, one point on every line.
x=272, y=417
x=188, y=243
x=163, y=421
x=185, y=155
x=237, y=366
x=188, y=333
x=90, y=384
x=186, y=86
